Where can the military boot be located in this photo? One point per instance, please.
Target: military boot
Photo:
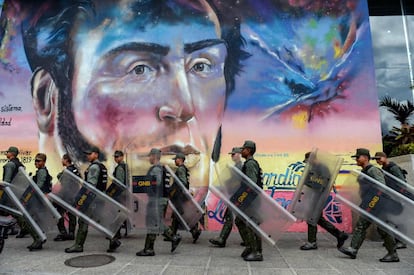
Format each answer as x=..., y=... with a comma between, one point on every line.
x=195, y=232
x=351, y=252
x=341, y=238
x=256, y=248
x=62, y=236
x=224, y=234
x=79, y=241
x=36, y=245
x=149, y=246
x=390, y=258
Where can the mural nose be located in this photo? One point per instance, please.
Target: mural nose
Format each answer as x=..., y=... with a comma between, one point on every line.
x=169, y=113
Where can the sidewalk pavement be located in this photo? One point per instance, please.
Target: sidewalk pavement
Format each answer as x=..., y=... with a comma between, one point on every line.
x=203, y=258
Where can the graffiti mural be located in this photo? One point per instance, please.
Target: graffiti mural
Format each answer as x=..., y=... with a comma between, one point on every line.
x=196, y=77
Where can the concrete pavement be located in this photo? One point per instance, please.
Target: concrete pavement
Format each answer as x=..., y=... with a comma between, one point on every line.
x=202, y=258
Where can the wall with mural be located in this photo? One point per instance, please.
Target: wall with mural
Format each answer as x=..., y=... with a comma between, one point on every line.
x=197, y=77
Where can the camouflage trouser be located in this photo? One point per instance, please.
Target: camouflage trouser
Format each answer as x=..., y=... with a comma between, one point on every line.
x=361, y=230
x=251, y=239
x=157, y=211
x=227, y=226
x=322, y=222
x=82, y=233
x=61, y=222
x=27, y=228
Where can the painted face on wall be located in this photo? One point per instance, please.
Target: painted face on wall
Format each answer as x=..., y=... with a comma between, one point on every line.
x=162, y=86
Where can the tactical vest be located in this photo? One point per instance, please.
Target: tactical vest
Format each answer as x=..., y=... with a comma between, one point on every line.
x=18, y=164
x=121, y=166
x=187, y=175
x=103, y=176
x=74, y=170
x=47, y=186
x=259, y=180
x=165, y=185
x=391, y=165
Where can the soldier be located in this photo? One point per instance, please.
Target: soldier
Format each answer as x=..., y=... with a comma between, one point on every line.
x=63, y=234
x=362, y=159
x=228, y=215
x=251, y=168
x=43, y=179
x=322, y=172
x=183, y=174
x=97, y=175
x=120, y=173
x=392, y=168
x=159, y=197
x=10, y=170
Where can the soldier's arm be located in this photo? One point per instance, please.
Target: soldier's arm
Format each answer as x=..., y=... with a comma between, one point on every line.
x=182, y=176
x=41, y=178
x=157, y=172
x=93, y=174
x=252, y=171
x=378, y=175
x=8, y=171
x=396, y=171
x=120, y=174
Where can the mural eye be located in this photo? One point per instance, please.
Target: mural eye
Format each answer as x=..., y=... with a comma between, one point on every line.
x=201, y=67
x=141, y=69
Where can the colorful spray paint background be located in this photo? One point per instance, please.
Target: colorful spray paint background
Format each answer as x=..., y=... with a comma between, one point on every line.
x=309, y=82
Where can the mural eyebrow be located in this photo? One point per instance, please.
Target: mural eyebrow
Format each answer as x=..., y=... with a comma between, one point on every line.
x=140, y=47
x=192, y=47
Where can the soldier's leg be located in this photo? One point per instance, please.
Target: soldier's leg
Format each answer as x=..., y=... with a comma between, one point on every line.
x=72, y=226
x=357, y=238
x=149, y=246
x=37, y=243
x=225, y=230
x=255, y=243
x=311, y=243
x=390, y=245
x=174, y=224
x=168, y=231
x=340, y=236
x=359, y=233
x=23, y=227
x=80, y=238
x=114, y=243
x=195, y=232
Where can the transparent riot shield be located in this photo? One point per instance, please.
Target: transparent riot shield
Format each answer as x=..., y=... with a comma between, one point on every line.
x=379, y=203
x=185, y=207
x=37, y=210
x=148, y=205
x=315, y=186
x=88, y=203
x=6, y=204
x=251, y=203
x=119, y=192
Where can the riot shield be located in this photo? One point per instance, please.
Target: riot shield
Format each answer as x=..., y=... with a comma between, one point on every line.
x=184, y=206
x=251, y=203
x=148, y=205
x=379, y=203
x=5, y=203
x=119, y=192
x=37, y=210
x=315, y=186
x=88, y=203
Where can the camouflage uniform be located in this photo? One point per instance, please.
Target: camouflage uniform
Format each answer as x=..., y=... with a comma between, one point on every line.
x=228, y=215
x=183, y=175
x=95, y=174
x=159, y=202
x=362, y=224
x=252, y=170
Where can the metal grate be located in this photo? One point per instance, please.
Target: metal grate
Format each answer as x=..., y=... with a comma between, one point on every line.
x=93, y=260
